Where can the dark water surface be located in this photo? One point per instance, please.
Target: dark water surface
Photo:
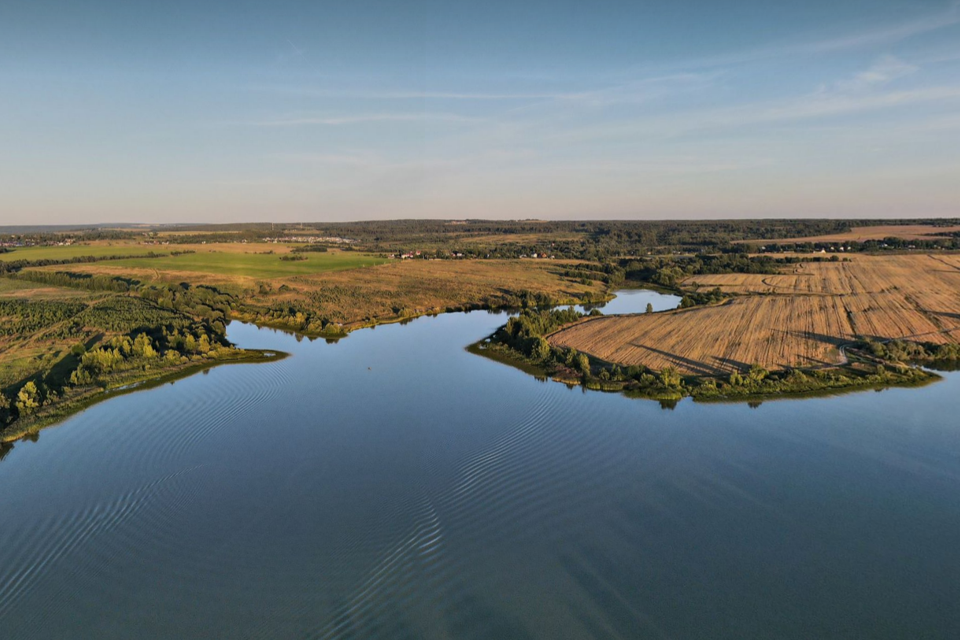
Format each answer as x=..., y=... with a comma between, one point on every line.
x=393, y=485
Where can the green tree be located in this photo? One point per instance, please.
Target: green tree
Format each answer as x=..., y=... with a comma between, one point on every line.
x=583, y=364
x=757, y=374
x=541, y=349
x=28, y=399
x=649, y=307
x=670, y=378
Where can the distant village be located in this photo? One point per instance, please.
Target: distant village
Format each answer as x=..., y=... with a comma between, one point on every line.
x=310, y=239
x=410, y=255
x=18, y=242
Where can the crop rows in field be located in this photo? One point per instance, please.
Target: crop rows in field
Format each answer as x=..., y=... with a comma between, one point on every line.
x=805, y=316
x=875, y=232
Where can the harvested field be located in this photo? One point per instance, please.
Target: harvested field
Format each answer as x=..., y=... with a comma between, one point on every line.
x=804, y=316
x=862, y=234
x=776, y=331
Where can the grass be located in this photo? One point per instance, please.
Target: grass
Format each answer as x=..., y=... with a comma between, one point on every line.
x=229, y=259
x=405, y=289
x=328, y=285
x=83, y=250
x=252, y=265
x=133, y=381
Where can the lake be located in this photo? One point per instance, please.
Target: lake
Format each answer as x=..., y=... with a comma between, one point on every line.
x=393, y=485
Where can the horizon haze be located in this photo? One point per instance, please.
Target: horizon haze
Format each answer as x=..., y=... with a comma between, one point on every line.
x=179, y=112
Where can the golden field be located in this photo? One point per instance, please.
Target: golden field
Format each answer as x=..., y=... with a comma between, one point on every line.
x=877, y=232
x=800, y=318
x=415, y=287
x=358, y=296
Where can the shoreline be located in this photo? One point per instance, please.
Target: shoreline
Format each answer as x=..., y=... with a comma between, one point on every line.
x=347, y=328
x=506, y=355
x=89, y=397
x=499, y=352
x=51, y=415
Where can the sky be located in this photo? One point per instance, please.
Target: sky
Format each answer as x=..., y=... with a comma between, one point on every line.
x=175, y=111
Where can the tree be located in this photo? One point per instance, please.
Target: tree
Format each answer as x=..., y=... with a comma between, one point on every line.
x=583, y=364
x=757, y=374
x=143, y=347
x=541, y=349
x=670, y=378
x=649, y=307
x=28, y=399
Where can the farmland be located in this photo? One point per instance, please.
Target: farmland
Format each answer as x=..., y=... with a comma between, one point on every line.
x=800, y=318
x=96, y=311
x=332, y=285
x=97, y=250
x=874, y=232
x=247, y=265
x=247, y=261
x=398, y=290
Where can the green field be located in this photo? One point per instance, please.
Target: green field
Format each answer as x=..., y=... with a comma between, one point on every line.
x=255, y=265
x=77, y=251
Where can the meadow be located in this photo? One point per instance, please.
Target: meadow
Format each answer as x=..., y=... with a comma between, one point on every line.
x=409, y=288
x=52, y=317
x=250, y=265
x=97, y=250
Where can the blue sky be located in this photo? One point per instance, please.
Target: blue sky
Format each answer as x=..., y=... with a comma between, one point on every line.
x=241, y=111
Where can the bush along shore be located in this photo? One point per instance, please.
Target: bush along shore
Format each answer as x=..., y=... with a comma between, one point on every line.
x=299, y=318
x=121, y=343
x=37, y=406
x=136, y=335
x=523, y=343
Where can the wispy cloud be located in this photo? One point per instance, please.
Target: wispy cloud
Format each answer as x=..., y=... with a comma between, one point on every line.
x=339, y=159
x=853, y=96
x=876, y=36
x=890, y=33
x=884, y=71
x=344, y=120
x=409, y=94
x=841, y=104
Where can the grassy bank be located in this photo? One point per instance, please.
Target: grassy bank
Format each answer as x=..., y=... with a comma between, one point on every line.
x=81, y=398
x=522, y=343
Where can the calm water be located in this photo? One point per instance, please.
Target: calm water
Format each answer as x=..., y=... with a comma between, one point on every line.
x=393, y=485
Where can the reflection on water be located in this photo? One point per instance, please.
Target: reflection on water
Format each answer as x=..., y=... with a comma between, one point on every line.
x=394, y=485
x=636, y=301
